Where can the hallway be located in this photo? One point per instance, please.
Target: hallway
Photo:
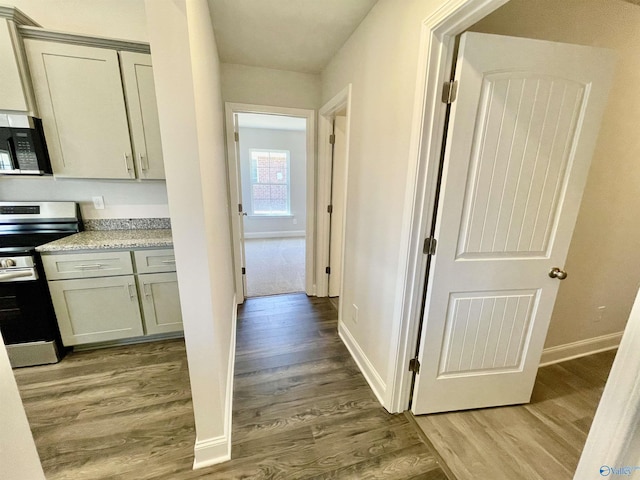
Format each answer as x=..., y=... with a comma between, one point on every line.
x=301, y=408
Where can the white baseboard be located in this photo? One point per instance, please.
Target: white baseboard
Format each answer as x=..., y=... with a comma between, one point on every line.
x=285, y=234
x=366, y=367
x=217, y=450
x=211, y=452
x=569, y=351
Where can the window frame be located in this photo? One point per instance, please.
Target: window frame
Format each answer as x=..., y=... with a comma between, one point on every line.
x=253, y=168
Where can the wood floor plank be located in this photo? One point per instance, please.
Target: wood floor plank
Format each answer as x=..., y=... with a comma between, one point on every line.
x=536, y=441
x=301, y=408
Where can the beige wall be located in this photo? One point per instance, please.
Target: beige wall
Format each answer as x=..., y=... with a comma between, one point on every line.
x=266, y=86
x=604, y=257
x=380, y=61
x=124, y=19
x=187, y=76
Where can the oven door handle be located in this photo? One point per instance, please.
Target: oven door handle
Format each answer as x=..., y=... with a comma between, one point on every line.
x=20, y=275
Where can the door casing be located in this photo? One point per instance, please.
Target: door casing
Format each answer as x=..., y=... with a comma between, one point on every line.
x=436, y=57
x=341, y=101
x=233, y=163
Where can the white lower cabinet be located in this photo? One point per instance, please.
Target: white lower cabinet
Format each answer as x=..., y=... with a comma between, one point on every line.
x=96, y=309
x=105, y=295
x=160, y=302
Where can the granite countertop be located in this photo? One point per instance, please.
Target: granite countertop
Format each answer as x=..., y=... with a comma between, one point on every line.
x=110, y=239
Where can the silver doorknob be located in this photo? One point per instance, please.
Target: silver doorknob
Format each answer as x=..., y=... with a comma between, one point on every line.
x=555, y=272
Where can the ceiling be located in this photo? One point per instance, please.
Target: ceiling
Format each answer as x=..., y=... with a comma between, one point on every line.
x=275, y=122
x=296, y=35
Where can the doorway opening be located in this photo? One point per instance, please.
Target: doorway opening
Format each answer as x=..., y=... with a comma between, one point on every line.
x=271, y=173
x=273, y=179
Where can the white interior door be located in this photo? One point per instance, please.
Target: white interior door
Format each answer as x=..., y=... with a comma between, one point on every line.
x=338, y=175
x=235, y=188
x=519, y=144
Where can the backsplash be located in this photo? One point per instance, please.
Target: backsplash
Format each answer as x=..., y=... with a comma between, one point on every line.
x=127, y=223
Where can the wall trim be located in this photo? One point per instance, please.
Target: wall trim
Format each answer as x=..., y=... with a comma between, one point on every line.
x=37, y=33
x=217, y=450
x=211, y=452
x=364, y=364
x=280, y=234
x=581, y=348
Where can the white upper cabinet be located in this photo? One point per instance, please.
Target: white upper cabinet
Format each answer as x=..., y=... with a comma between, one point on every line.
x=15, y=84
x=98, y=109
x=79, y=94
x=140, y=92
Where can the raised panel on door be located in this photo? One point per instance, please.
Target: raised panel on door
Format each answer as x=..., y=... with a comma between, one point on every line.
x=137, y=74
x=97, y=309
x=79, y=94
x=519, y=145
x=160, y=302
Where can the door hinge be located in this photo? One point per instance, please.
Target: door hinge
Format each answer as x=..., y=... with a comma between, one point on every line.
x=414, y=365
x=429, y=247
x=239, y=208
x=332, y=139
x=244, y=271
x=327, y=270
x=329, y=208
x=450, y=91
x=236, y=136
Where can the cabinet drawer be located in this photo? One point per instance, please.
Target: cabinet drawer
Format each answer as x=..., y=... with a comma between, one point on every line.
x=87, y=265
x=155, y=261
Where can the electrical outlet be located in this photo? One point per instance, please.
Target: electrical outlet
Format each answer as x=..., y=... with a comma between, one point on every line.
x=295, y=221
x=600, y=315
x=98, y=202
x=354, y=313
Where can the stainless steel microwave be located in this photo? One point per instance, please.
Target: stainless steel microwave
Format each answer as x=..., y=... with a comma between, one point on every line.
x=23, y=149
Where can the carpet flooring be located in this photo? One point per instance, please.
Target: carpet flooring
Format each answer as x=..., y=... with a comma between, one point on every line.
x=274, y=266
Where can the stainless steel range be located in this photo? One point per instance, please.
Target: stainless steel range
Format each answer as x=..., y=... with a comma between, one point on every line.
x=27, y=320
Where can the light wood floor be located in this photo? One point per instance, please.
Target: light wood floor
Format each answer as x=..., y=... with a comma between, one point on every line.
x=538, y=441
x=301, y=408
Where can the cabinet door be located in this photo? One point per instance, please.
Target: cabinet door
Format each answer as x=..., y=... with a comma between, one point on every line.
x=140, y=92
x=160, y=302
x=13, y=97
x=96, y=309
x=79, y=94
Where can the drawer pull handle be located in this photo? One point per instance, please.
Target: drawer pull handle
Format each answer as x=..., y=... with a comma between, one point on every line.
x=132, y=292
x=169, y=262
x=147, y=289
x=87, y=266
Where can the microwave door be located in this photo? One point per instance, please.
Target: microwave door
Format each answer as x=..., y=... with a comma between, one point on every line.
x=7, y=155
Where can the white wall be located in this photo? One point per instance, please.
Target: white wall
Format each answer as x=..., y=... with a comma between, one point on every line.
x=380, y=60
x=124, y=19
x=265, y=86
x=18, y=456
x=187, y=77
x=257, y=226
x=604, y=258
x=122, y=199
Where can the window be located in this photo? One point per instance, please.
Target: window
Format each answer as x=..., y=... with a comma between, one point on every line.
x=270, y=182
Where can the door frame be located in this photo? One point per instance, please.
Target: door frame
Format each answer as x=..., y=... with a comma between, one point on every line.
x=436, y=56
x=233, y=166
x=325, y=128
